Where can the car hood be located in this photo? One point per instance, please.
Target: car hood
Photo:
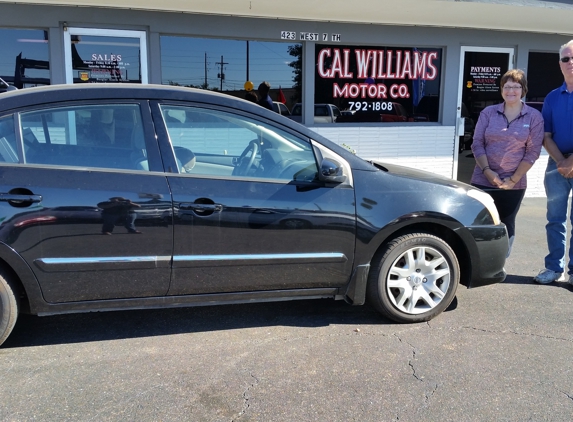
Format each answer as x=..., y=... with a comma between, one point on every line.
x=426, y=176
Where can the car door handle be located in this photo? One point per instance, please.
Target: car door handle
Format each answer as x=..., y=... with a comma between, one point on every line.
x=9, y=197
x=201, y=207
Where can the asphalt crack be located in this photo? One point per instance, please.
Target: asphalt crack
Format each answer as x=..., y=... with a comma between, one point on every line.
x=411, y=363
x=246, y=398
x=483, y=330
x=565, y=394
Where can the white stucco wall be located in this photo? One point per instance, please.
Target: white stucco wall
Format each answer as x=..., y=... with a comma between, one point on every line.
x=535, y=176
x=428, y=148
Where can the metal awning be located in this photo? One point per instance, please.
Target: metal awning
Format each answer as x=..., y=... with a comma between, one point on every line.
x=551, y=17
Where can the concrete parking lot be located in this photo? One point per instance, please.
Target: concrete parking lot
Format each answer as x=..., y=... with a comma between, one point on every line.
x=501, y=352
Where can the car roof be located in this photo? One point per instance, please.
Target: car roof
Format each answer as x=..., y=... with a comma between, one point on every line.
x=54, y=93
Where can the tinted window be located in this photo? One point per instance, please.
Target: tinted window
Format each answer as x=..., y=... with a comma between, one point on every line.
x=221, y=65
x=108, y=136
x=7, y=140
x=25, y=57
x=320, y=110
x=211, y=142
x=543, y=74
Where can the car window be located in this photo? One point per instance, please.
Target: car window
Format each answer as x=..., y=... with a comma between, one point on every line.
x=320, y=110
x=107, y=136
x=213, y=142
x=8, y=148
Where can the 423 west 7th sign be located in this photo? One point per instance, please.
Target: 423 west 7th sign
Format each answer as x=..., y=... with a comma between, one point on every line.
x=309, y=36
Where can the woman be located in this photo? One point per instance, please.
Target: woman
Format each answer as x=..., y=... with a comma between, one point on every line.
x=507, y=141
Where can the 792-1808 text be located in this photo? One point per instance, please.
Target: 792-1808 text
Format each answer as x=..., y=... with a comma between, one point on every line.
x=366, y=106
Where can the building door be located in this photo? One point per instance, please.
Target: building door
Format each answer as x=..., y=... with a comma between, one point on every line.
x=103, y=55
x=481, y=69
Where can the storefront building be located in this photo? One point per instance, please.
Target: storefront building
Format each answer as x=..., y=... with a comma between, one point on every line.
x=402, y=82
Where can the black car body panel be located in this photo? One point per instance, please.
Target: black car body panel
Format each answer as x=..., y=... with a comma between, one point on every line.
x=67, y=251
x=434, y=203
x=107, y=232
x=310, y=232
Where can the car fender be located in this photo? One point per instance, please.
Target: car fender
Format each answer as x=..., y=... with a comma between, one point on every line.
x=423, y=221
x=443, y=226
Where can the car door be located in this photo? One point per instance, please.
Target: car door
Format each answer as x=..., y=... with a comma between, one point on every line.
x=84, y=200
x=249, y=214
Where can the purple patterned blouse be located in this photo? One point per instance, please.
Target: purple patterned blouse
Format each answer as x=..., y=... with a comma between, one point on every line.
x=507, y=144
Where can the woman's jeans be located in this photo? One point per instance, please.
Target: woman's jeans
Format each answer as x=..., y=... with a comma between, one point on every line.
x=557, y=189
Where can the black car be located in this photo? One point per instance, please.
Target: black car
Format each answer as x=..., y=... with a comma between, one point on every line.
x=139, y=196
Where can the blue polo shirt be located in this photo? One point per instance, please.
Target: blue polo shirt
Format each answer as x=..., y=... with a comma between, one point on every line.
x=558, y=116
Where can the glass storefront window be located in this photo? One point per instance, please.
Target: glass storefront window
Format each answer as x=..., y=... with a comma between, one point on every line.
x=229, y=65
x=379, y=84
x=543, y=75
x=25, y=57
x=96, y=58
x=482, y=75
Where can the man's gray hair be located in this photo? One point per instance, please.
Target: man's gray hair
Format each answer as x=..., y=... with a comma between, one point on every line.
x=564, y=46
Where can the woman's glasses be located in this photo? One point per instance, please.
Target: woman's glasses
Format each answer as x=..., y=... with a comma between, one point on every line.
x=565, y=59
x=511, y=87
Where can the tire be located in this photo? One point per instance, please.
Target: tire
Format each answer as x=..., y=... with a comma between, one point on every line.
x=405, y=288
x=9, y=307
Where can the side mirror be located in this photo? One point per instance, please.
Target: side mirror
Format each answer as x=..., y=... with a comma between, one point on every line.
x=331, y=171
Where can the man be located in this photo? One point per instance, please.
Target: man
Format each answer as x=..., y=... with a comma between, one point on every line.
x=558, y=141
x=265, y=99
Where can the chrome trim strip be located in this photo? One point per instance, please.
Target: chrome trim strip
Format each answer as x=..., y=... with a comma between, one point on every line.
x=57, y=261
x=264, y=259
x=103, y=263
x=150, y=262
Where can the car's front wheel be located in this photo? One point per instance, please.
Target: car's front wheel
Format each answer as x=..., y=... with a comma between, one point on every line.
x=9, y=305
x=413, y=278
